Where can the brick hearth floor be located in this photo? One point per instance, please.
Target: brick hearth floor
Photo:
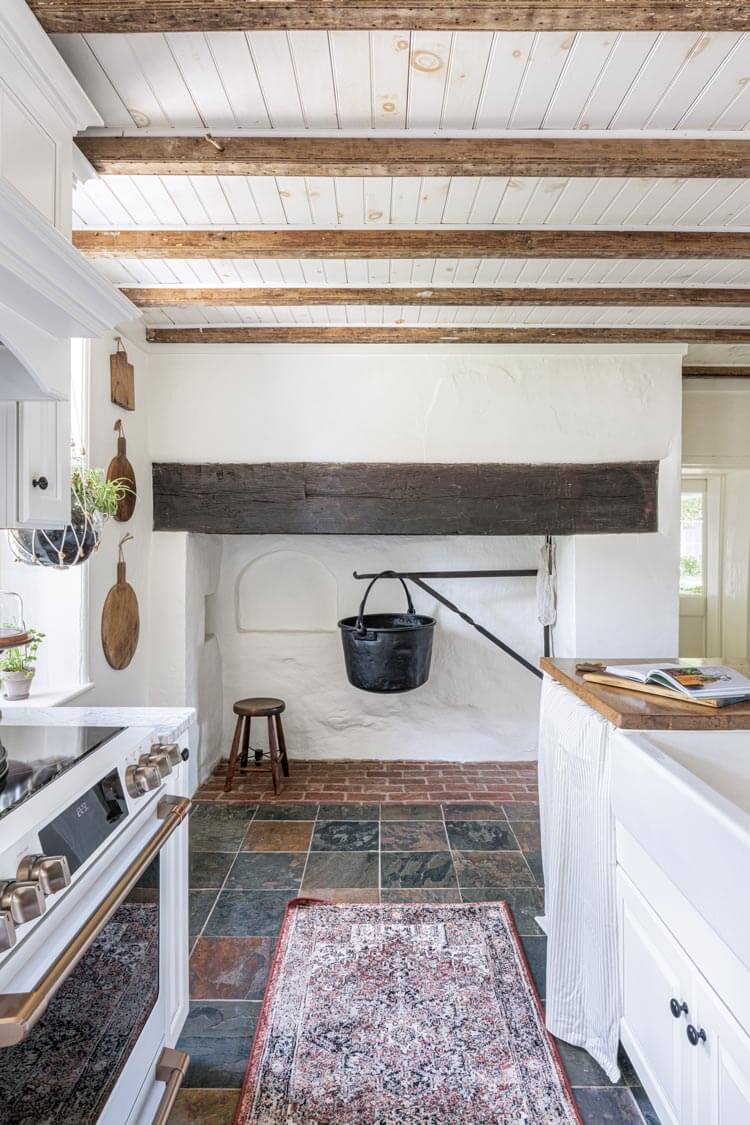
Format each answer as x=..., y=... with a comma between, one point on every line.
x=358, y=781
x=355, y=832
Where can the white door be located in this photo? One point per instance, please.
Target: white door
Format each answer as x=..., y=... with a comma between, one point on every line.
x=656, y=979
x=720, y=1051
x=701, y=552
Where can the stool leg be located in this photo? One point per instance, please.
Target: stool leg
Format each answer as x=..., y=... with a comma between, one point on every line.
x=233, y=755
x=274, y=756
x=245, y=741
x=282, y=746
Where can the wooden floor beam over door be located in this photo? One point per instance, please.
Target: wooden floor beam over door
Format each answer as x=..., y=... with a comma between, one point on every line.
x=448, y=334
x=694, y=371
x=168, y=296
x=390, y=242
x=84, y=16
x=375, y=156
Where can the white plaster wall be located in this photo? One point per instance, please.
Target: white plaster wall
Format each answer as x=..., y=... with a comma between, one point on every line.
x=481, y=404
x=716, y=423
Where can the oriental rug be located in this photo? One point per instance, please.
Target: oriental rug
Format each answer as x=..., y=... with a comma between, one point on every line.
x=394, y=1014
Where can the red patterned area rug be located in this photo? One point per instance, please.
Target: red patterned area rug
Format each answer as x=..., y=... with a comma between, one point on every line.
x=393, y=1014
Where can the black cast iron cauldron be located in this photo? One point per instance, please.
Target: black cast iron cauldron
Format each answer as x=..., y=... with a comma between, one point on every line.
x=387, y=652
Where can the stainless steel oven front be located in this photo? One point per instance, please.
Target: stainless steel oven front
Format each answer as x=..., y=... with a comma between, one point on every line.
x=92, y=995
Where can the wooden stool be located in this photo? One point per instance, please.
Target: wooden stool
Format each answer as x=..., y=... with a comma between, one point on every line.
x=246, y=710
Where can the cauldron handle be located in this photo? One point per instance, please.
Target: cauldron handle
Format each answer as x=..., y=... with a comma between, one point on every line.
x=360, y=627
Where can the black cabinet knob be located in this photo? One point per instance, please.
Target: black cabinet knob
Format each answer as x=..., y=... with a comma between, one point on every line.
x=677, y=1008
x=695, y=1037
x=41, y=483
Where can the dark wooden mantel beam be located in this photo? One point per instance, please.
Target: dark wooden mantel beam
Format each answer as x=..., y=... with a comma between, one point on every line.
x=312, y=498
x=453, y=15
x=160, y=296
x=389, y=242
x=443, y=334
x=375, y=156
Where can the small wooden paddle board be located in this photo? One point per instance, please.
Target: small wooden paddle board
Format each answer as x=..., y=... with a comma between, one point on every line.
x=120, y=618
x=121, y=469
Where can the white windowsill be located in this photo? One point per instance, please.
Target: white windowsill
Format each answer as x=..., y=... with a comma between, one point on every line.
x=45, y=698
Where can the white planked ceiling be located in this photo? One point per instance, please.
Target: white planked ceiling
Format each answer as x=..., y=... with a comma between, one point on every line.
x=223, y=201
x=355, y=80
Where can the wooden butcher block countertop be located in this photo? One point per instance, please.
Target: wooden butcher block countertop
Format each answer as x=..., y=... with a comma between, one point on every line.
x=633, y=710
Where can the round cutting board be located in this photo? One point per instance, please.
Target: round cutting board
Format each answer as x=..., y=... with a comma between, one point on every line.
x=120, y=622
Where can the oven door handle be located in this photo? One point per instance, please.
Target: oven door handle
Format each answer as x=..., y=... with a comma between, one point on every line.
x=19, y=1011
x=171, y=1069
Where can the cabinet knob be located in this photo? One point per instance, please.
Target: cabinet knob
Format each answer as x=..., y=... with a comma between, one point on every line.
x=695, y=1037
x=677, y=1008
x=41, y=483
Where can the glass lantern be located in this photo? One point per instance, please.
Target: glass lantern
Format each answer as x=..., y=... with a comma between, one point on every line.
x=12, y=626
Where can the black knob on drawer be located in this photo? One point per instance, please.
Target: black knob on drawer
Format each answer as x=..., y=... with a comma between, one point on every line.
x=677, y=1008
x=41, y=483
x=695, y=1037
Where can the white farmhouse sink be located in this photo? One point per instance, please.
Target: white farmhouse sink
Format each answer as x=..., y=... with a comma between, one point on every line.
x=684, y=797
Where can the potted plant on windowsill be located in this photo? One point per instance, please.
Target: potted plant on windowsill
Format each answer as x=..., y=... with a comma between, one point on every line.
x=18, y=665
x=93, y=499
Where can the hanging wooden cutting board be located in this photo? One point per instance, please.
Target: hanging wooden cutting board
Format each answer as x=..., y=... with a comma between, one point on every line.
x=122, y=378
x=120, y=618
x=121, y=469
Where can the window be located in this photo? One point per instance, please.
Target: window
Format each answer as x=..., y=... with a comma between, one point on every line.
x=693, y=539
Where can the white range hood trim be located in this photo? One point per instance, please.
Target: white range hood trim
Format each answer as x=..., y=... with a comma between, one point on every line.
x=47, y=282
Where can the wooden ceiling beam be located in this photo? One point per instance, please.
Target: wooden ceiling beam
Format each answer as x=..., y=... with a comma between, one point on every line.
x=447, y=334
x=389, y=242
x=85, y=16
x=153, y=298
x=375, y=156
x=693, y=371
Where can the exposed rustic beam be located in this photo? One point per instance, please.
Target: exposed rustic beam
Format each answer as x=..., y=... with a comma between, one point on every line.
x=693, y=371
x=153, y=298
x=454, y=15
x=309, y=498
x=447, y=334
x=367, y=156
x=388, y=242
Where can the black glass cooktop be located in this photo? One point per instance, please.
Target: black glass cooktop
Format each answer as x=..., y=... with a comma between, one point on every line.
x=33, y=756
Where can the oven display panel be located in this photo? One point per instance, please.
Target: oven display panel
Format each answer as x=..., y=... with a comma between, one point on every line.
x=79, y=830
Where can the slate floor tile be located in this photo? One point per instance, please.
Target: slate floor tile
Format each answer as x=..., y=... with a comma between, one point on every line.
x=199, y=908
x=492, y=869
x=346, y=836
x=643, y=1102
x=222, y=812
x=413, y=836
x=209, y=869
x=481, y=836
x=417, y=869
x=535, y=949
x=341, y=869
x=521, y=810
x=286, y=812
x=230, y=968
x=349, y=812
x=420, y=894
x=418, y=811
x=534, y=860
x=343, y=894
x=216, y=835
x=528, y=835
x=473, y=810
x=267, y=871
x=607, y=1106
x=278, y=836
x=525, y=904
x=580, y=1068
x=204, y=1107
x=217, y=1035
x=247, y=914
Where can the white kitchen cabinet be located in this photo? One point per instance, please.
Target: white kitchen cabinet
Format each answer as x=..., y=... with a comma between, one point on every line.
x=35, y=467
x=695, y=1064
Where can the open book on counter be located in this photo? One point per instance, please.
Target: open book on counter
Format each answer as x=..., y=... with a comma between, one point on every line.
x=707, y=682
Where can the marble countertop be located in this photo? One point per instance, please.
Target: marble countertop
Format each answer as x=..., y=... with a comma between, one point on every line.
x=167, y=722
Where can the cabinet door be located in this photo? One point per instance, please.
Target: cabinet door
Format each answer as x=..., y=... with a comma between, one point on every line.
x=654, y=972
x=721, y=1063
x=43, y=486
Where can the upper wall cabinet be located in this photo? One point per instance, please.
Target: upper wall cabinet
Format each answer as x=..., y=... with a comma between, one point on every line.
x=48, y=291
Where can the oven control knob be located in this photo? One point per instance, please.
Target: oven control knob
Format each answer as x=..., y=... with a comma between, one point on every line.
x=140, y=779
x=51, y=872
x=7, y=931
x=172, y=750
x=159, y=759
x=23, y=899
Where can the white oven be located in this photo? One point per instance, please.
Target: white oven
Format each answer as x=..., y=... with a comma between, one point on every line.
x=94, y=989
